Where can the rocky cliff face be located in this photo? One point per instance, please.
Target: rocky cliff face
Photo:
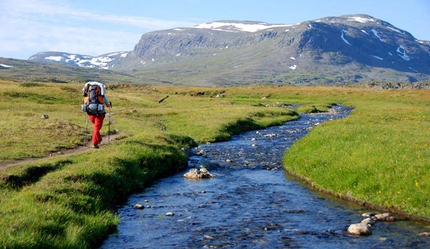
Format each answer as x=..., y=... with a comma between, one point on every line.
x=332, y=50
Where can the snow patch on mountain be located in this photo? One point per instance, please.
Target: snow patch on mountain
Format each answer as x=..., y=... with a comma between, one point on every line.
x=102, y=62
x=343, y=37
x=5, y=66
x=364, y=31
x=375, y=32
x=239, y=26
x=377, y=57
x=361, y=19
x=401, y=51
x=396, y=30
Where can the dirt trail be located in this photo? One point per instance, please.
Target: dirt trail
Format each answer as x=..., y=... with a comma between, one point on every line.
x=65, y=152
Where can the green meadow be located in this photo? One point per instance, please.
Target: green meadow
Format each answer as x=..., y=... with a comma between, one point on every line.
x=378, y=155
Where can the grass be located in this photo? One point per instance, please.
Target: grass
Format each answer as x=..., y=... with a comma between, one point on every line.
x=376, y=155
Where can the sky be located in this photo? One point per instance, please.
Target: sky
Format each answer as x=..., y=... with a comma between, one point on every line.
x=96, y=27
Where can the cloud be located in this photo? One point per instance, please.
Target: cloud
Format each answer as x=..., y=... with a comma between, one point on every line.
x=30, y=26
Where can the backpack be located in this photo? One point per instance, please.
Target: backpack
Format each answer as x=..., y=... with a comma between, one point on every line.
x=94, y=98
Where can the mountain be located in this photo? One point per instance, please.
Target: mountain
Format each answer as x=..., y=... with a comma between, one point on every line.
x=29, y=71
x=332, y=50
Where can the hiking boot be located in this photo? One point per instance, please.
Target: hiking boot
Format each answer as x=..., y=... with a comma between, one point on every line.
x=96, y=146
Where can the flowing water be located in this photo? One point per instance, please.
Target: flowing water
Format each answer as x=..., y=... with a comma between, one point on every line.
x=252, y=203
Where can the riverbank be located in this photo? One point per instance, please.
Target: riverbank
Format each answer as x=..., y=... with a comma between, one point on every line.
x=377, y=157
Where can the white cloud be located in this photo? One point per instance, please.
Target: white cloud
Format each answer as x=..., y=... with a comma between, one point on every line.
x=30, y=26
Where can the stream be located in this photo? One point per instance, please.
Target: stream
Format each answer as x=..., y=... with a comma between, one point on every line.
x=252, y=203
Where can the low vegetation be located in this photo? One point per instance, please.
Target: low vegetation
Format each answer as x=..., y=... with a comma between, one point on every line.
x=376, y=155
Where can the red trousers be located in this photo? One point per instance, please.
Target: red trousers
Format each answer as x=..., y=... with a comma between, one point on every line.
x=98, y=123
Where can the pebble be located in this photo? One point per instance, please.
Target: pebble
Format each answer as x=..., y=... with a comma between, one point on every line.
x=139, y=206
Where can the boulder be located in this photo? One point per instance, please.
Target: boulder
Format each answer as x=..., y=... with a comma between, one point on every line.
x=383, y=217
x=198, y=173
x=360, y=229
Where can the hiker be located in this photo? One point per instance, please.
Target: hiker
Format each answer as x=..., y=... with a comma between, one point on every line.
x=94, y=105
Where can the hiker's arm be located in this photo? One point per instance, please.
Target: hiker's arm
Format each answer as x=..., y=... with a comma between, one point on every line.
x=108, y=104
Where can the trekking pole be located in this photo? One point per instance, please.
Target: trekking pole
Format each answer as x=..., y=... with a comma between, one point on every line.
x=86, y=130
x=109, y=123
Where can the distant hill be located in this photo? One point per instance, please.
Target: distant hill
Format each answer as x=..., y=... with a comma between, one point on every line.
x=333, y=50
x=28, y=71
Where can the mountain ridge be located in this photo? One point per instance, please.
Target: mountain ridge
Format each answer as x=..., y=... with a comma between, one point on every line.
x=331, y=50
